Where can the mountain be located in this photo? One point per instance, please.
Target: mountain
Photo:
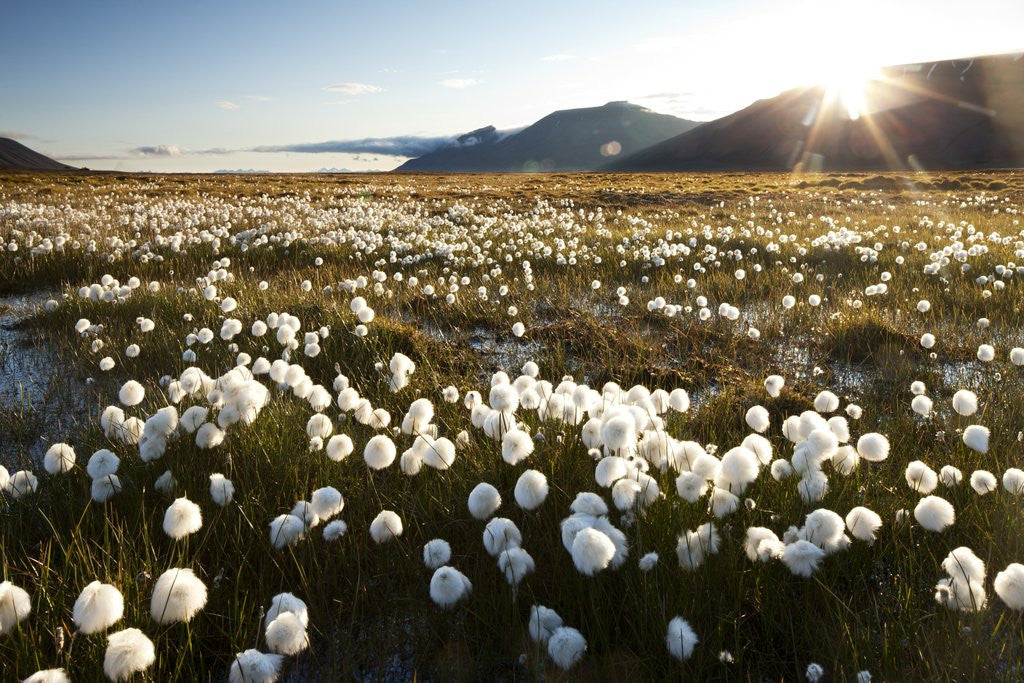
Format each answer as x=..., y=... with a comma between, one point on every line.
x=15, y=156
x=568, y=140
x=957, y=114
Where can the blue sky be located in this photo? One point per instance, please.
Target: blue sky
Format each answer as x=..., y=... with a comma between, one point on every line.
x=175, y=86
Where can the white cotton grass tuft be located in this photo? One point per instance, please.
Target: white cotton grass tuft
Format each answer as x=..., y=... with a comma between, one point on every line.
x=920, y=477
x=385, y=526
x=209, y=436
x=863, y=523
x=873, y=447
x=680, y=639
x=131, y=393
x=379, y=452
x=773, y=385
x=182, y=518
x=286, y=634
x=516, y=446
x=436, y=553
x=177, y=596
x=128, y=652
x=762, y=544
x=592, y=551
x=515, y=564
x=965, y=403
x=253, y=666
x=983, y=482
x=950, y=476
x=287, y=602
x=566, y=647
x=758, y=419
x=449, y=586
x=1013, y=481
x=285, y=530
x=976, y=438
x=934, y=513
x=587, y=503
x=1009, y=586
x=802, y=557
x=59, y=458
x=98, y=607
x=501, y=533
x=102, y=463
x=531, y=489
x=964, y=589
x=48, y=676
x=326, y=502
x=694, y=546
x=484, y=500
x=648, y=562
x=543, y=623
x=335, y=530
x=339, y=447
x=222, y=491
x=826, y=402
x=15, y=606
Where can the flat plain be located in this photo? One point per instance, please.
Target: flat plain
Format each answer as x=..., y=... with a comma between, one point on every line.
x=792, y=396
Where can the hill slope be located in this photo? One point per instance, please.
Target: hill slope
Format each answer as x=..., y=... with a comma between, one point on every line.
x=15, y=156
x=938, y=115
x=567, y=140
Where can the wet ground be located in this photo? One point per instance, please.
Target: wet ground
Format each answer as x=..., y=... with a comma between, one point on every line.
x=42, y=399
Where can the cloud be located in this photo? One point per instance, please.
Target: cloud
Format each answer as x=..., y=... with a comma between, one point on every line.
x=17, y=135
x=398, y=146
x=459, y=83
x=557, y=58
x=158, y=151
x=688, y=105
x=259, y=98
x=224, y=104
x=353, y=88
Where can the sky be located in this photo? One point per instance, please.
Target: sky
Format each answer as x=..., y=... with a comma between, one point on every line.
x=309, y=84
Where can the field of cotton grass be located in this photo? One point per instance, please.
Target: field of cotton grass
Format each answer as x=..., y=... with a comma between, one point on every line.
x=512, y=427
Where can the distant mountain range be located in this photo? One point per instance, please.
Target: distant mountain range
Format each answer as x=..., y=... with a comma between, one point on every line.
x=568, y=140
x=15, y=156
x=947, y=115
x=939, y=115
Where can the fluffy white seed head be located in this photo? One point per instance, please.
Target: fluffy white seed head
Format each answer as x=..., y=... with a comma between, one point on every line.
x=680, y=639
x=449, y=586
x=934, y=513
x=484, y=501
x=386, y=526
x=98, y=607
x=178, y=596
x=128, y=652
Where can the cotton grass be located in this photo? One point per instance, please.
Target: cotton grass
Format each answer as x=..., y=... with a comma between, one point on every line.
x=178, y=596
x=98, y=607
x=128, y=652
x=15, y=606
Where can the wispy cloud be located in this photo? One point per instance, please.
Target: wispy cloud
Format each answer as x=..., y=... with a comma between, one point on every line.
x=158, y=151
x=558, y=58
x=688, y=105
x=398, y=146
x=224, y=104
x=259, y=98
x=459, y=83
x=353, y=88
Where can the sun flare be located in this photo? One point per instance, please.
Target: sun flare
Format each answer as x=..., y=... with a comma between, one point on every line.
x=849, y=86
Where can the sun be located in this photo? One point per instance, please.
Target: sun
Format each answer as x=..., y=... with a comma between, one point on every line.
x=848, y=86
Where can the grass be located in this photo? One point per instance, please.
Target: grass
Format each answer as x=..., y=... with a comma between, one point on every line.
x=869, y=608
